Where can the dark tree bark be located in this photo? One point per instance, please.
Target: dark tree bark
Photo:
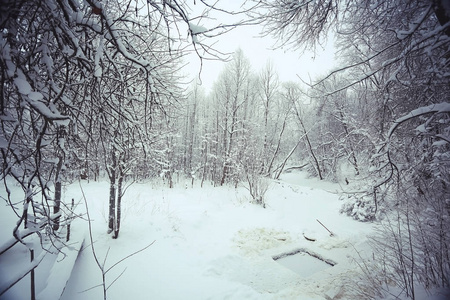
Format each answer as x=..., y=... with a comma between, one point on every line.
x=353, y=161
x=32, y=278
x=442, y=14
x=58, y=179
x=118, y=207
x=112, y=192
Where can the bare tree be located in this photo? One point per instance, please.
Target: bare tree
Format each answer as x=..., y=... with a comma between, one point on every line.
x=269, y=90
x=231, y=97
x=395, y=57
x=293, y=95
x=58, y=59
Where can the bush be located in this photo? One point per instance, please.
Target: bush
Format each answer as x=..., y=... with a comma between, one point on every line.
x=258, y=186
x=359, y=207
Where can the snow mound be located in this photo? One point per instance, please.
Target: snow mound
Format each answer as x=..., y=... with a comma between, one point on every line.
x=252, y=241
x=62, y=268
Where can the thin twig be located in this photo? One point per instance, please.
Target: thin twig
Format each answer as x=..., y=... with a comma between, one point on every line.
x=130, y=255
x=116, y=278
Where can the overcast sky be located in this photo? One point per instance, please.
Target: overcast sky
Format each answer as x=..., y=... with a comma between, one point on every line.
x=288, y=62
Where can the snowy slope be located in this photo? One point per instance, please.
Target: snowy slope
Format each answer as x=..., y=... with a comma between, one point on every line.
x=211, y=243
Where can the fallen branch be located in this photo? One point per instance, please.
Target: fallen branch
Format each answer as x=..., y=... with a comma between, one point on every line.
x=309, y=239
x=331, y=233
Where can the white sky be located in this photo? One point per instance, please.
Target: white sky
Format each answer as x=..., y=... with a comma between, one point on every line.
x=288, y=63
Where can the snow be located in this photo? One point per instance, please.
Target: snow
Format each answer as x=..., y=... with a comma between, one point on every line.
x=62, y=268
x=196, y=30
x=443, y=107
x=3, y=143
x=303, y=264
x=212, y=243
x=35, y=96
x=45, y=111
x=97, y=59
x=20, y=272
x=209, y=243
x=34, y=100
x=22, y=85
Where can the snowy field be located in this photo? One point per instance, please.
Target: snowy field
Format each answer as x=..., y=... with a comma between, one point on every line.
x=208, y=243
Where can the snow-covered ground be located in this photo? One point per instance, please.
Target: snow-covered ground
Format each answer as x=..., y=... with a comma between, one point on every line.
x=209, y=243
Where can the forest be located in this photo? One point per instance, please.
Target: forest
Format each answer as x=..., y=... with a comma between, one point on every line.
x=95, y=91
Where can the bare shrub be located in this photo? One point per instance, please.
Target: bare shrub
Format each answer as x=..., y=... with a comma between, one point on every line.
x=257, y=186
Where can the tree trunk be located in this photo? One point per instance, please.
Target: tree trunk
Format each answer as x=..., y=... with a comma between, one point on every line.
x=269, y=167
x=283, y=164
x=70, y=220
x=442, y=14
x=61, y=133
x=354, y=162
x=112, y=200
x=316, y=162
x=58, y=192
x=112, y=193
x=224, y=172
x=57, y=204
x=32, y=279
x=118, y=207
x=205, y=162
x=319, y=172
x=232, y=135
